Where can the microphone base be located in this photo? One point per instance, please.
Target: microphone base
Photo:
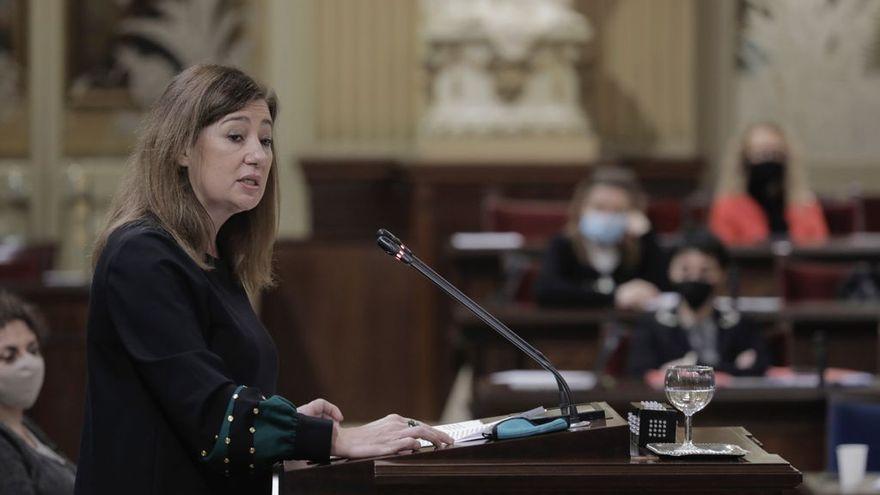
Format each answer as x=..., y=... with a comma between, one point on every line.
x=588, y=411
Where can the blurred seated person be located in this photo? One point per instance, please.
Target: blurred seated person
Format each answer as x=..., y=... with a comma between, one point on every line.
x=30, y=464
x=763, y=194
x=694, y=328
x=608, y=254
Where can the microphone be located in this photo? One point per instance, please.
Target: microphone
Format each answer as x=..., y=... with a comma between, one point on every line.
x=395, y=248
x=821, y=350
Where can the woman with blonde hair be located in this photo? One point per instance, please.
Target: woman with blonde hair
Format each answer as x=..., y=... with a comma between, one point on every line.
x=763, y=193
x=181, y=373
x=607, y=255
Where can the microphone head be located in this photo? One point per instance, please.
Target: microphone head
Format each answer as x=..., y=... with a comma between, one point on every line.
x=388, y=245
x=394, y=249
x=388, y=234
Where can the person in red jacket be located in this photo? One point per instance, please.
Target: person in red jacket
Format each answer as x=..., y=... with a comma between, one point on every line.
x=763, y=193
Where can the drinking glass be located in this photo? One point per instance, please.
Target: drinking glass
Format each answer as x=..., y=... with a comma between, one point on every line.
x=689, y=389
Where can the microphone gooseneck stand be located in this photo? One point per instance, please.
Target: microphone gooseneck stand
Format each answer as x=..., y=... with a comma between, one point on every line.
x=395, y=248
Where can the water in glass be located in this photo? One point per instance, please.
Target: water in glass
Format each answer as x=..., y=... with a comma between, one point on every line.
x=689, y=389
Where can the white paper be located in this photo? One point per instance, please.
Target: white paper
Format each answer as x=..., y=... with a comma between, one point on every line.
x=543, y=380
x=802, y=380
x=487, y=240
x=470, y=430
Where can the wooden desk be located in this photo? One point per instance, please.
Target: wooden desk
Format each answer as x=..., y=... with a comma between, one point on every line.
x=569, y=337
x=788, y=421
x=860, y=246
x=851, y=334
x=533, y=470
x=480, y=271
x=828, y=484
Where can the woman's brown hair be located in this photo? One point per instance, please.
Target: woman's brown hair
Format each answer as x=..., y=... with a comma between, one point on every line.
x=155, y=184
x=612, y=176
x=14, y=308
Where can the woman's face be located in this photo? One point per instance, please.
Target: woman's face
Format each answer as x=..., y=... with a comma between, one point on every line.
x=692, y=265
x=16, y=340
x=21, y=367
x=607, y=199
x=229, y=165
x=764, y=144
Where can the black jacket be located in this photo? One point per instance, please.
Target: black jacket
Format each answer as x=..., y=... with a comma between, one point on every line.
x=565, y=281
x=24, y=471
x=659, y=338
x=167, y=345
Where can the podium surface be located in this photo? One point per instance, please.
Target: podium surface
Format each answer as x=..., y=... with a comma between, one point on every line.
x=595, y=459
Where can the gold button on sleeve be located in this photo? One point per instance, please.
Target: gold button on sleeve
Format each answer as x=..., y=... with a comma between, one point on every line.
x=252, y=429
x=230, y=418
x=228, y=440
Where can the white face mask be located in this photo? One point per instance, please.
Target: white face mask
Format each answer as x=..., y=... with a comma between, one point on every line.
x=21, y=381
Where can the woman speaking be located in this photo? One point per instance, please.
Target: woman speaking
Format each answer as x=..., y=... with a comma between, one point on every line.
x=181, y=373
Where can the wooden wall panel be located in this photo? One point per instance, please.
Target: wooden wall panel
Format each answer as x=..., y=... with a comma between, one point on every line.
x=640, y=76
x=342, y=318
x=355, y=197
x=366, y=69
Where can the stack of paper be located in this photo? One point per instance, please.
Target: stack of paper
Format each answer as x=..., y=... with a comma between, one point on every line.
x=468, y=431
x=487, y=240
x=536, y=380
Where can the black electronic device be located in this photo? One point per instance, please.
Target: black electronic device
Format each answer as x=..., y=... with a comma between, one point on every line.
x=651, y=422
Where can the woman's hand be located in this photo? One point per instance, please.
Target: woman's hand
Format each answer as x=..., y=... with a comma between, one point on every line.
x=389, y=435
x=655, y=379
x=320, y=408
x=635, y=294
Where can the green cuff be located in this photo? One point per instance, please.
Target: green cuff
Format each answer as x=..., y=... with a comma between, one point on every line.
x=282, y=433
x=257, y=432
x=219, y=454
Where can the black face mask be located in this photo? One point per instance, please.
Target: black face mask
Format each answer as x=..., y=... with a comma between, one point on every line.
x=767, y=186
x=694, y=292
x=766, y=179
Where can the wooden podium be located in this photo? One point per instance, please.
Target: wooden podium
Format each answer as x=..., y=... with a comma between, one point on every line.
x=592, y=459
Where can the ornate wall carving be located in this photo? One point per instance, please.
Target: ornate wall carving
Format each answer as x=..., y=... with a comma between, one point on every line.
x=813, y=66
x=503, y=67
x=502, y=80
x=120, y=56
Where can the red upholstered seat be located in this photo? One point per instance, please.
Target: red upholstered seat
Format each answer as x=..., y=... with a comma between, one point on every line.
x=811, y=281
x=536, y=220
x=539, y=220
x=28, y=263
x=665, y=215
x=871, y=212
x=843, y=216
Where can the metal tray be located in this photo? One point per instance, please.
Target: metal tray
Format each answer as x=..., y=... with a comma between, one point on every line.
x=699, y=450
